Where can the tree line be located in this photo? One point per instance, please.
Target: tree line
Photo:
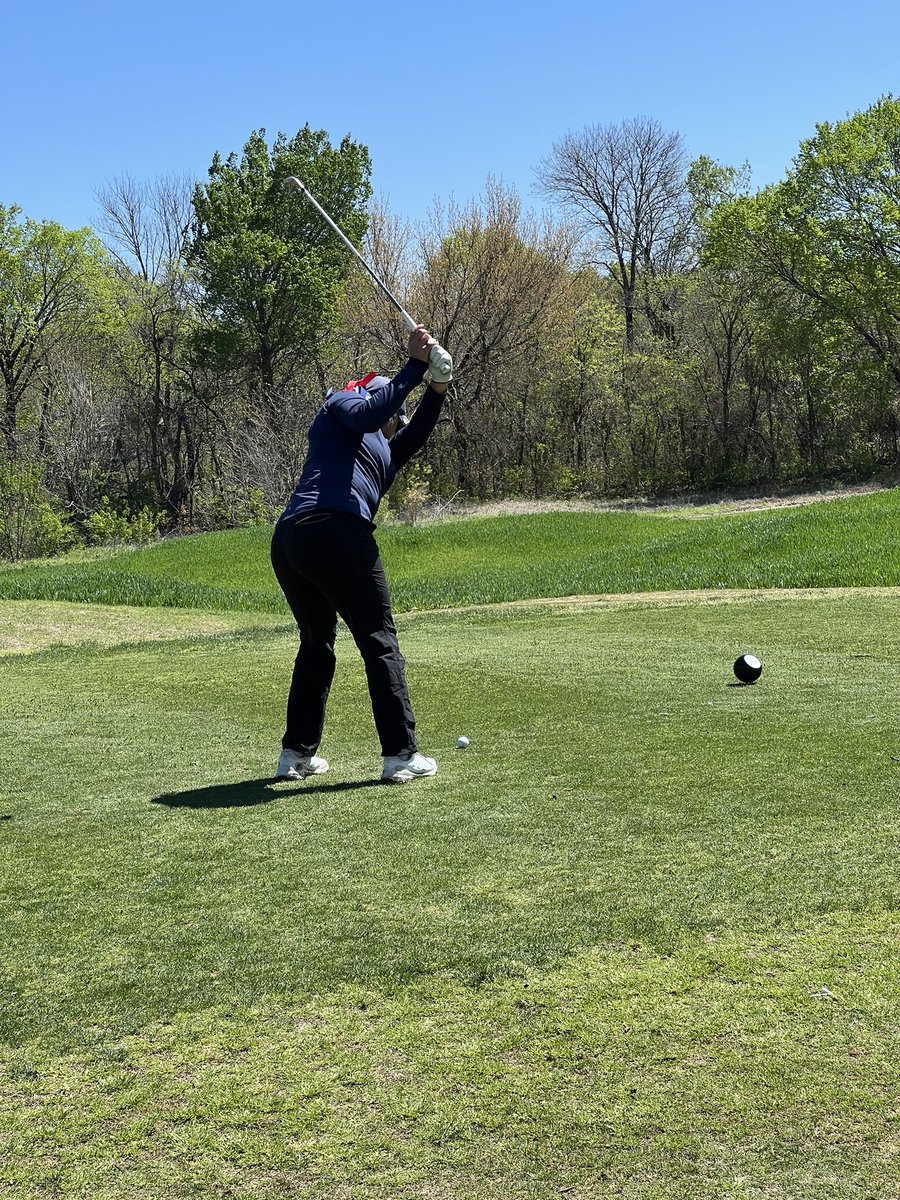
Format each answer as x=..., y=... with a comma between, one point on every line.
x=660, y=328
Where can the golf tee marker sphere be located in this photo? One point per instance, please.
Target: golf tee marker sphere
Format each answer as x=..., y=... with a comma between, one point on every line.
x=747, y=668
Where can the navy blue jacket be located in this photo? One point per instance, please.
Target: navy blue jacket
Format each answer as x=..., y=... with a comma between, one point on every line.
x=350, y=464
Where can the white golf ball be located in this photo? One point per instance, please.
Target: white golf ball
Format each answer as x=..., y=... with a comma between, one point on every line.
x=462, y=743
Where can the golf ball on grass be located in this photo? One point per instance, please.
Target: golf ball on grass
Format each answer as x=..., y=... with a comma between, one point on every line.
x=747, y=668
x=461, y=743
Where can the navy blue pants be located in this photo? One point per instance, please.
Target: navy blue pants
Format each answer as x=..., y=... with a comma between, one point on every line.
x=328, y=564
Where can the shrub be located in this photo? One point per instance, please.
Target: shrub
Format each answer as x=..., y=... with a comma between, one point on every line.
x=235, y=507
x=105, y=525
x=414, y=494
x=30, y=524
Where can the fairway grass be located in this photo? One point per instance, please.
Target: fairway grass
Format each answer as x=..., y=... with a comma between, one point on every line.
x=728, y=1067
x=639, y=940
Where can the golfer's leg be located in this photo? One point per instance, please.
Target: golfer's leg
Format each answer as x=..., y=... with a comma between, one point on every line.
x=314, y=665
x=367, y=613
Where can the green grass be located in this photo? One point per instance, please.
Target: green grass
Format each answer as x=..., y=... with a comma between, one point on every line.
x=639, y=940
x=845, y=543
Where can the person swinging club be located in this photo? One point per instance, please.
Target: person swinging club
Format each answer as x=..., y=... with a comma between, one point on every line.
x=327, y=562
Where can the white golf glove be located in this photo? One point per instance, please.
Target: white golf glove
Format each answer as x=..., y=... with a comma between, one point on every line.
x=440, y=364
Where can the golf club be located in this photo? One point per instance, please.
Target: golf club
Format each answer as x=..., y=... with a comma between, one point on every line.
x=292, y=182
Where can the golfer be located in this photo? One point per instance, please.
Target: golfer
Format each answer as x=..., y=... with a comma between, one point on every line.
x=327, y=562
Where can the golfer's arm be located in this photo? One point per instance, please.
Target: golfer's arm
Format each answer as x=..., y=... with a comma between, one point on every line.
x=368, y=414
x=410, y=440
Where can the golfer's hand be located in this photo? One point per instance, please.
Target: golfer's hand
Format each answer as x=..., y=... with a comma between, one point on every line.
x=440, y=364
x=420, y=342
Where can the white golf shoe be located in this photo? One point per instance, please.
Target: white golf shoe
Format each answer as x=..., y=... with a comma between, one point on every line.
x=292, y=765
x=403, y=768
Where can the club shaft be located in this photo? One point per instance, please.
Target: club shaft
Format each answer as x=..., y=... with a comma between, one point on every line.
x=293, y=181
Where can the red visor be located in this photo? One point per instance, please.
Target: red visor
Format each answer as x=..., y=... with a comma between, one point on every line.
x=361, y=383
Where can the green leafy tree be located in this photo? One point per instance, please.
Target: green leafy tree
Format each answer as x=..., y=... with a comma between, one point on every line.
x=588, y=409
x=718, y=323
x=49, y=283
x=709, y=184
x=269, y=269
x=831, y=230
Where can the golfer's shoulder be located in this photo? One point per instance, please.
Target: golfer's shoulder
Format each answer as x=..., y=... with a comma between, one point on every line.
x=335, y=409
x=349, y=400
x=339, y=422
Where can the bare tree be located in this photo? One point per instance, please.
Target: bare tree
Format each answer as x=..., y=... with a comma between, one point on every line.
x=146, y=225
x=494, y=289
x=146, y=228
x=81, y=430
x=376, y=337
x=625, y=185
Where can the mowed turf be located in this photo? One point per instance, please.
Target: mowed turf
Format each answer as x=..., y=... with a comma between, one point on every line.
x=639, y=940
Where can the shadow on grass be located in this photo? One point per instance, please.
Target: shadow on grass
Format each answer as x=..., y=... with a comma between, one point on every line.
x=248, y=792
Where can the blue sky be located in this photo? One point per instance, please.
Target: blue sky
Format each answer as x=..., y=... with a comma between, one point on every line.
x=443, y=96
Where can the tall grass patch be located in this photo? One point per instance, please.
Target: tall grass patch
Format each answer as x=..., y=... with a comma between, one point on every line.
x=847, y=543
